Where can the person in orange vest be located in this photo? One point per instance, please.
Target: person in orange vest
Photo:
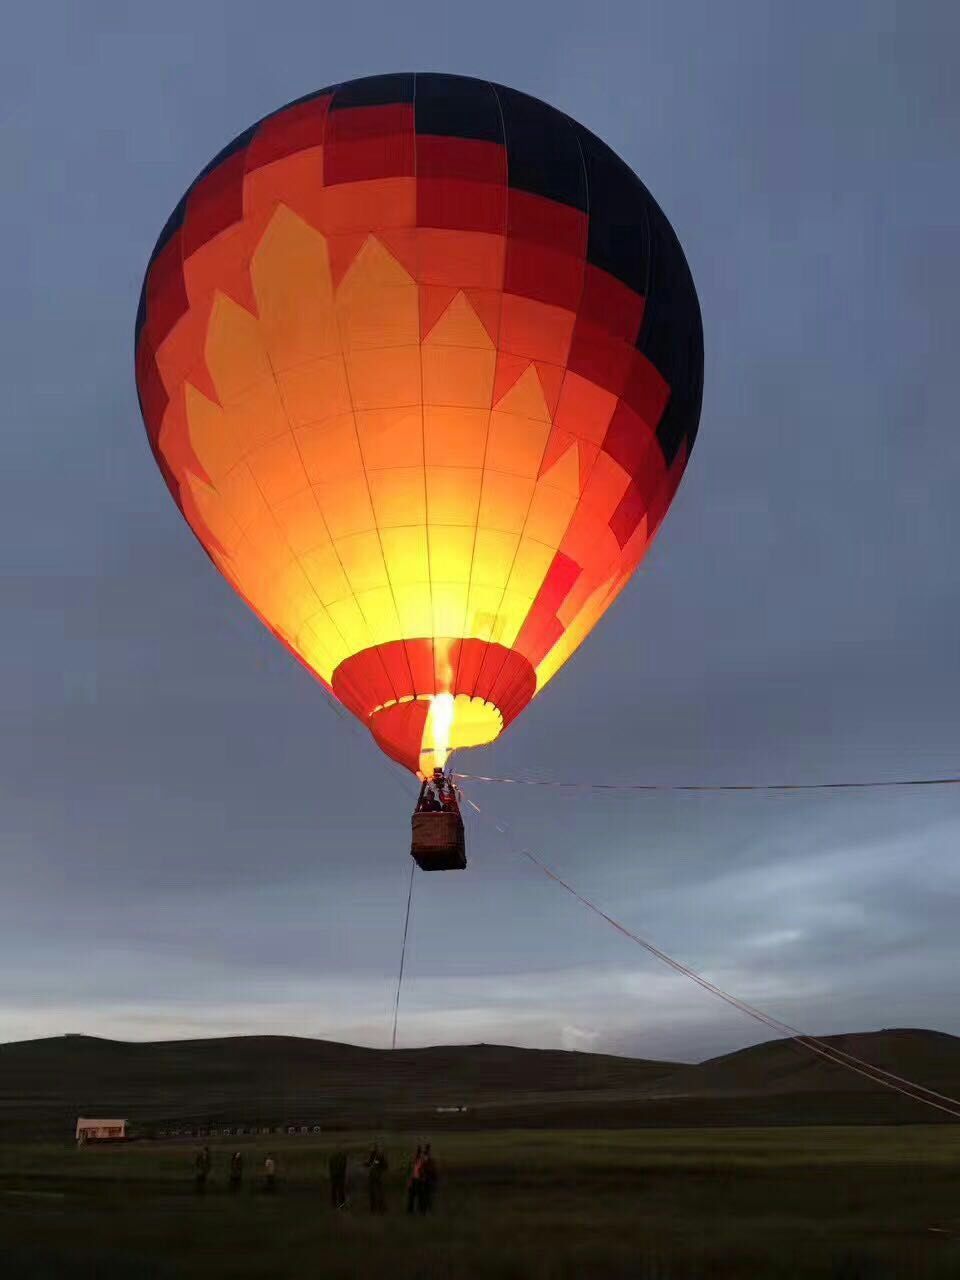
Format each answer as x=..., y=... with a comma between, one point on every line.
x=415, y=1182
x=428, y=1180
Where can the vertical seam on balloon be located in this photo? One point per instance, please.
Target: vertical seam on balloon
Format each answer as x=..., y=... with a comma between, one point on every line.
x=155, y=348
x=296, y=558
x=431, y=638
x=375, y=644
x=296, y=445
x=647, y=312
x=296, y=442
x=590, y=469
x=593, y=464
x=566, y=369
x=280, y=530
x=486, y=443
x=533, y=493
x=243, y=461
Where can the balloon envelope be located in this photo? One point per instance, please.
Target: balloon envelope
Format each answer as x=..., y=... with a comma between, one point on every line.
x=421, y=362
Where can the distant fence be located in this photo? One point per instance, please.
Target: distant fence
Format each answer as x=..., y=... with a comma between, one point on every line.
x=235, y=1131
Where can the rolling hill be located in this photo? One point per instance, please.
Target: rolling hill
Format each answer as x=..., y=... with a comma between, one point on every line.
x=277, y=1080
x=931, y=1058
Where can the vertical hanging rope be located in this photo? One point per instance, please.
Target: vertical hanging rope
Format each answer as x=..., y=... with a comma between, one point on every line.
x=403, y=952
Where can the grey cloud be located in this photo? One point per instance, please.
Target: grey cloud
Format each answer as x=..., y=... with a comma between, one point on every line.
x=193, y=841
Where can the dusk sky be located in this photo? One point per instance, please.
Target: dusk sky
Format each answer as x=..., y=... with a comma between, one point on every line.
x=194, y=843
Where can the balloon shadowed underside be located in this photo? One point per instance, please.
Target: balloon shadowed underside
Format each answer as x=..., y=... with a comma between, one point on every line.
x=421, y=362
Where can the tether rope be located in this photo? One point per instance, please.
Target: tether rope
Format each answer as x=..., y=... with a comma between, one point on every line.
x=878, y=1075
x=403, y=953
x=392, y=770
x=700, y=786
x=838, y=1057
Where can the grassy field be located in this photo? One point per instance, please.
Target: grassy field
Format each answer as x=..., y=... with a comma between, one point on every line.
x=834, y=1202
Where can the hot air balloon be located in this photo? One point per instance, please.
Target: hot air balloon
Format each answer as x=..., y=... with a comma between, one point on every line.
x=421, y=362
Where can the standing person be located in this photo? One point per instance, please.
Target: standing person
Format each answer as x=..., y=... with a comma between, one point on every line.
x=414, y=1182
x=338, y=1177
x=202, y=1168
x=236, y=1171
x=431, y=801
x=428, y=1180
x=270, y=1175
x=376, y=1168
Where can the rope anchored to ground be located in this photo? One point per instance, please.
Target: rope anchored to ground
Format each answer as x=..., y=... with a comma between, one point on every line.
x=838, y=1057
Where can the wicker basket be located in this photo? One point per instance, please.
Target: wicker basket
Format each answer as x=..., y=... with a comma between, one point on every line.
x=438, y=843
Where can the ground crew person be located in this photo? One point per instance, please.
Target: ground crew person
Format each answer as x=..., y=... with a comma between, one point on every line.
x=338, y=1178
x=428, y=1180
x=270, y=1174
x=376, y=1168
x=236, y=1171
x=202, y=1167
x=414, y=1182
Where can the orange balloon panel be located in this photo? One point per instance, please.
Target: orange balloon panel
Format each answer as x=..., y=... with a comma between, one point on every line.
x=421, y=360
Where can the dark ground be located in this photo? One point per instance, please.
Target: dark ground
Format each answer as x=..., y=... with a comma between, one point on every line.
x=563, y=1166
x=844, y=1203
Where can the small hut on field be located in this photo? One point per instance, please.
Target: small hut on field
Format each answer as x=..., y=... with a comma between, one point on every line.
x=100, y=1130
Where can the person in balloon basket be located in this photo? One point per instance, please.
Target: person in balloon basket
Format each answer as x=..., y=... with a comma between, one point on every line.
x=429, y=802
x=270, y=1175
x=338, y=1177
x=376, y=1168
x=442, y=790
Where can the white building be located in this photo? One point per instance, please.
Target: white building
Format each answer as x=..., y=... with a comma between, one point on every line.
x=100, y=1130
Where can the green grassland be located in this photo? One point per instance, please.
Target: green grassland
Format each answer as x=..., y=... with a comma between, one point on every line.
x=848, y=1203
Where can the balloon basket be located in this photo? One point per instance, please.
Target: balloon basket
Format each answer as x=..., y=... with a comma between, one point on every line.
x=438, y=843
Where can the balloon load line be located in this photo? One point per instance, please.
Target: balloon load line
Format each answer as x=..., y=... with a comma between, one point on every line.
x=829, y=1053
x=700, y=786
